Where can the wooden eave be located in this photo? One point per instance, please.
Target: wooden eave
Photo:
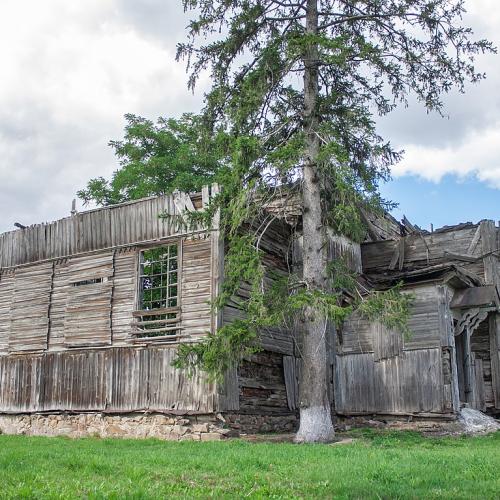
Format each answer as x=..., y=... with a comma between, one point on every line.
x=487, y=296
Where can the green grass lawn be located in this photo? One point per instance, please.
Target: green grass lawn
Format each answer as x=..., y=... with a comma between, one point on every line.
x=376, y=465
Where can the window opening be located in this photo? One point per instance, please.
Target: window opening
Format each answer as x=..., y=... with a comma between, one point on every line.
x=159, y=280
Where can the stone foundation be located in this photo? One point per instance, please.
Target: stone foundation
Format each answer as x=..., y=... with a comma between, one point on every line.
x=175, y=428
x=256, y=424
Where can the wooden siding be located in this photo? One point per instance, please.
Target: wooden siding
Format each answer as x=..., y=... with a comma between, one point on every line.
x=112, y=380
x=29, y=309
x=87, y=317
x=340, y=247
x=89, y=300
x=358, y=334
x=6, y=291
x=124, y=294
x=423, y=250
x=196, y=286
x=100, y=229
x=407, y=384
x=386, y=343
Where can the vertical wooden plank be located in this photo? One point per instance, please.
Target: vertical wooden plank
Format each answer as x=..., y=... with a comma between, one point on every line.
x=494, y=326
x=291, y=382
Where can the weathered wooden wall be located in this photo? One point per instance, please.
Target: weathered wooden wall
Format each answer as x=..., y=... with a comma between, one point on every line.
x=380, y=371
x=276, y=247
x=454, y=245
x=411, y=383
x=40, y=308
x=257, y=386
x=108, y=380
x=196, y=287
x=481, y=360
x=359, y=335
x=69, y=289
x=99, y=229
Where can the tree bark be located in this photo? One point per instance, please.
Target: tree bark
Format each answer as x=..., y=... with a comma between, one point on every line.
x=315, y=416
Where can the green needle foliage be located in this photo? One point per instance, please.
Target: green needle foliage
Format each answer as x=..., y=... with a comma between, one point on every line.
x=367, y=57
x=255, y=132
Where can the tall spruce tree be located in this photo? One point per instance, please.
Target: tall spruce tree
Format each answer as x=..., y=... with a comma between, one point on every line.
x=294, y=85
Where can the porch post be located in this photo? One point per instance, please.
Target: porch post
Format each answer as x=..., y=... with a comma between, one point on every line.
x=490, y=243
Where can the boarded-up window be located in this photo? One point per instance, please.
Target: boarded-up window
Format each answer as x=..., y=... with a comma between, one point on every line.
x=6, y=289
x=88, y=284
x=29, y=313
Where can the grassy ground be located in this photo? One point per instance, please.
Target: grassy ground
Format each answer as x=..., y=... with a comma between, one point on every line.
x=376, y=465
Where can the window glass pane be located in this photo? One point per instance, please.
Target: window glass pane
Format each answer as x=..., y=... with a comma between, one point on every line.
x=159, y=278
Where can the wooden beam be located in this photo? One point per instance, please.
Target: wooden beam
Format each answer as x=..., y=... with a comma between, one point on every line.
x=395, y=257
x=461, y=257
x=402, y=243
x=474, y=241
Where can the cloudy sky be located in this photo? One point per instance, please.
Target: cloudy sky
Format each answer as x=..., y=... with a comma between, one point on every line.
x=70, y=70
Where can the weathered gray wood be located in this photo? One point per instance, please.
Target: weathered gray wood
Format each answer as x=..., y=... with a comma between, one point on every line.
x=346, y=250
x=358, y=334
x=480, y=346
x=111, y=380
x=447, y=335
x=480, y=296
x=386, y=343
x=99, y=229
x=29, y=310
x=262, y=385
x=196, y=286
x=291, y=381
x=407, y=384
x=423, y=250
x=494, y=328
x=490, y=245
x=229, y=392
x=474, y=241
x=479, y=390
x=6, y=291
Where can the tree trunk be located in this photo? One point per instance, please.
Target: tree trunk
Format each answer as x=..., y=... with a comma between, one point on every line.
x=315, y=416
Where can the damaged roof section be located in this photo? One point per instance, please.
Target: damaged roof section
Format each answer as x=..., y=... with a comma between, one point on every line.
x=461, y=245
x=465, y=257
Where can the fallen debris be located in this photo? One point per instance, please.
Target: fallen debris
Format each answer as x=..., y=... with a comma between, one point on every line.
x=476, y=422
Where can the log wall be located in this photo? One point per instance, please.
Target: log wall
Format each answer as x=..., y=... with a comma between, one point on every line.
x=262, y=386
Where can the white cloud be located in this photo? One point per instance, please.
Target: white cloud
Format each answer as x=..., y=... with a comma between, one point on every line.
x=478, y=155
x=467, y=142
x=69, y=71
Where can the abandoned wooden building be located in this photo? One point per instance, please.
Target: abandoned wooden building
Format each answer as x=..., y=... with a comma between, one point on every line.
x=92, y=308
